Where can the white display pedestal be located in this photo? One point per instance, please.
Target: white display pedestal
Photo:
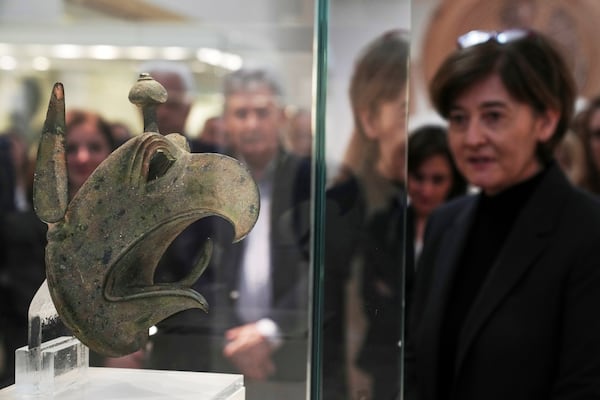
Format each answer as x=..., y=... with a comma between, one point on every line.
x=129, y=384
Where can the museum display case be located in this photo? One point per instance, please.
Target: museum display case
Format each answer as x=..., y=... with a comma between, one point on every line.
x=97, y=49
x=337, y=279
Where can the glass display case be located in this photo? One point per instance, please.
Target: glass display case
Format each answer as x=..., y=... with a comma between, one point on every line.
x=337, y=243
x=98, y=48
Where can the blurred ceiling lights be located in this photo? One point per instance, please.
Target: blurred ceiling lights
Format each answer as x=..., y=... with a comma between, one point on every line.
x=39, y=56
x=132, y=10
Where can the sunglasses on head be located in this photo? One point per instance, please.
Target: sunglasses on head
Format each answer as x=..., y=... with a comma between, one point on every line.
x=473, y=38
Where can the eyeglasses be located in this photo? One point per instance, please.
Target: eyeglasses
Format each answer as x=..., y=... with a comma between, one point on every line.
x=473, y=38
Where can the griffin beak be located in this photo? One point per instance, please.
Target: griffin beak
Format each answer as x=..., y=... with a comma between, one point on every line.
x=226, y=189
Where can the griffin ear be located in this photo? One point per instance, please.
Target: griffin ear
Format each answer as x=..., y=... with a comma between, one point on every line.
x=179, y=140
x=50, y=185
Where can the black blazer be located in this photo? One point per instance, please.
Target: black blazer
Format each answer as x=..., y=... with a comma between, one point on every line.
x=290, y=227
x=290, y=221
x=533, y=332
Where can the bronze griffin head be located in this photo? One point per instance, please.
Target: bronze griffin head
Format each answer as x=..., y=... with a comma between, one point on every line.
x=105, y=243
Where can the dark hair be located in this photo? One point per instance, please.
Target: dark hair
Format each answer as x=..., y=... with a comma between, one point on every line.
x=531, y=69
x=76, y=117
x=432, y=140
x=581, y=126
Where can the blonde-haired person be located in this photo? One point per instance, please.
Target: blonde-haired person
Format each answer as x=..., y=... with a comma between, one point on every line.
x=371, y=177
x=88, y=141
x=378, y=96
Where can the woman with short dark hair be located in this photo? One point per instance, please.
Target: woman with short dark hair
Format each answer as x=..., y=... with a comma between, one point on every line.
x=508, y=283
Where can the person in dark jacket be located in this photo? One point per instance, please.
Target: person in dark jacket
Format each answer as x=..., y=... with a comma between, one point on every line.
x=257, y=289
x=88, y=141
x=508, y=282
x=393, y=241
x=371, y=178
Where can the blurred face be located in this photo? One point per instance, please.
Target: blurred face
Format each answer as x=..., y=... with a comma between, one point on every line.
x=493, y=137
x=388, y=127
x=594, y=144
x=86, y=149
x=172, y=115
x=429, y=185
x=252, y=121
x=213, y=132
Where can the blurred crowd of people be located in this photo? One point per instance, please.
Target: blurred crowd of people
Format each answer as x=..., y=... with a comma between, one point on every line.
x=390, y=183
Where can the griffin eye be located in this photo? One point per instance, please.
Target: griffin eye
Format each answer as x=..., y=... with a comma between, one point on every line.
x=159, y=165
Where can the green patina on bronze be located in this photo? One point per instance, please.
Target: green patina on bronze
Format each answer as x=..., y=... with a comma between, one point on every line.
x=104, y=245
